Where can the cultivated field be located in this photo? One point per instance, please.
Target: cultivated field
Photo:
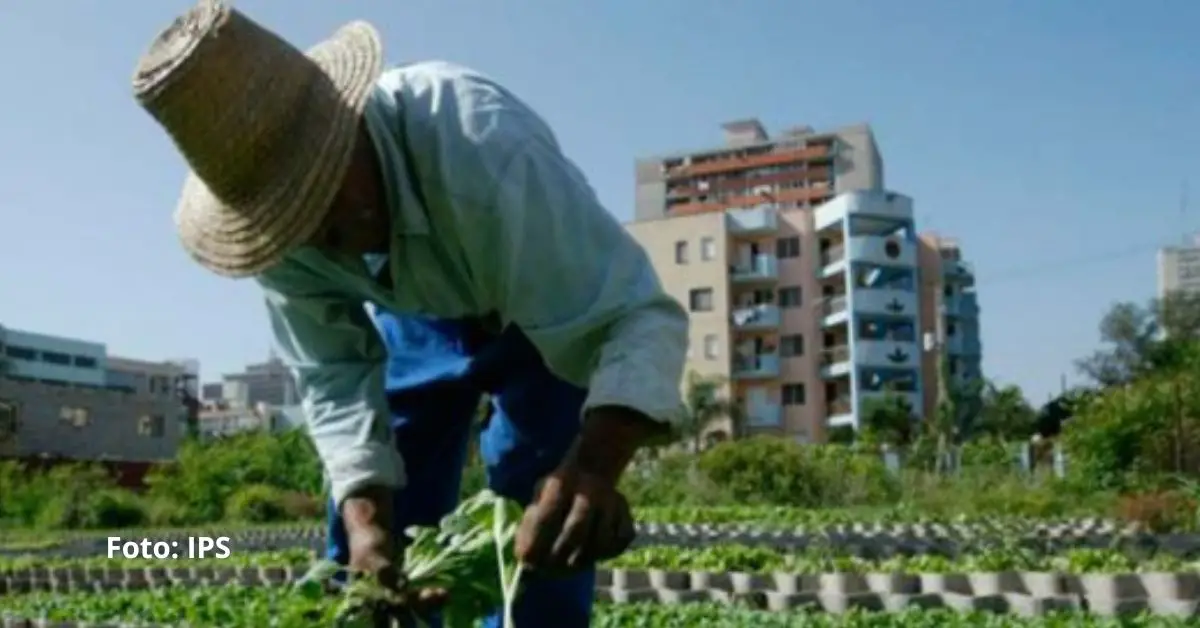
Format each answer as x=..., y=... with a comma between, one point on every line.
x=691, y=567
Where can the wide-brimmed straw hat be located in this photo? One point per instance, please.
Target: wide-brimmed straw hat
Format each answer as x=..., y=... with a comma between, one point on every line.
x=267, y=130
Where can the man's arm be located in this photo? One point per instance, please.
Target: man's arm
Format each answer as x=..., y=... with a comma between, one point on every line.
x=554, y=262
x=335, y=354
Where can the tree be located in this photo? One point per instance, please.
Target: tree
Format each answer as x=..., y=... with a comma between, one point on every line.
x=703, y=406
x=888, y=419
x=1142, y=339
x=1004, y=413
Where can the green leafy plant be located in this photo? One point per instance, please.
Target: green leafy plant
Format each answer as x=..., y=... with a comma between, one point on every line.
x=469, y=555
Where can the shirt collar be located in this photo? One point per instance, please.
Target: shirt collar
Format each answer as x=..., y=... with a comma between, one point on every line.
x=383, y=118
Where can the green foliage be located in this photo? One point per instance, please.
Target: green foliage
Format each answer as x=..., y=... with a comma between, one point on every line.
x=703, y=406
x=887, y=420
x=205, y=476
x=256, y=503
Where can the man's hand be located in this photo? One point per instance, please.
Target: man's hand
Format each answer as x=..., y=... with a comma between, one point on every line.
x=367, y=515
x=579, y=517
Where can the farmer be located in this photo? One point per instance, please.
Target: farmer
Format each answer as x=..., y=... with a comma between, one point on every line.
x=436, y=196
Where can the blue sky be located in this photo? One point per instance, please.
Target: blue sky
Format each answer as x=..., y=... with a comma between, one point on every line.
x=1052, y=138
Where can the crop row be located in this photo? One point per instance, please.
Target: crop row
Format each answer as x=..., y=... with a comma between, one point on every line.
x=234, y=607
x=688, y=520
x=717, y=558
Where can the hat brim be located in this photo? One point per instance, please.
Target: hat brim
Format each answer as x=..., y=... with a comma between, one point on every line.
x=233, y=242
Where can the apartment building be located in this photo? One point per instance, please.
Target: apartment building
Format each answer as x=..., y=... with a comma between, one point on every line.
x=950, y=311
x=802, y=274
x=1179, y=268
x=67, y=398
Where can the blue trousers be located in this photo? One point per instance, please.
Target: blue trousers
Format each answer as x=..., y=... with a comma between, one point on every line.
x=437, y=372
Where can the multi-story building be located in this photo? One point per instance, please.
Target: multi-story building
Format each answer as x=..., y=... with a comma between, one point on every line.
x=67, y=398
x=799, y=270
x=1179, y=268
x=950, y=312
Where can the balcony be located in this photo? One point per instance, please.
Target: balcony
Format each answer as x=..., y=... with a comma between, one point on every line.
x=762, y=267
x=887, y=353
x=877, y=203
x=762, y=316
x=764, y=415
x=833, y=255
x=760, y=220
x=885, y=302
x=763, y=365
x=882, y=250
x=833, y=310
x=913, y=399
x=839, y=412
x=835, y=361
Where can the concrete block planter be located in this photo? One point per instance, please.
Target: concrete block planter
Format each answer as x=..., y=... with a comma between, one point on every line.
x=968, y=603
x=1112, y=607
x=672, y=580
x=995, y=582
x=794, y=583
x=708, y=580
x=1036, y=606
x=749, y=582
x=603, y=579
x=945, y=583
x=780, y=601
x=1117, y=586
x=1175, y=607
x=899, y=601
x=843, y=583
x=894, y=583
x=630, y=579
x=1175, y=586
x=1043, y=584
x=842, y=602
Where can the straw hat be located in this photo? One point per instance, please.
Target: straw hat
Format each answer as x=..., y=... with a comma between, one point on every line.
x=267, y=130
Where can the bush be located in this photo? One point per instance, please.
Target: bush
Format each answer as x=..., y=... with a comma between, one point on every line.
x=113, y=508
x=762, y=471
x=257, y=503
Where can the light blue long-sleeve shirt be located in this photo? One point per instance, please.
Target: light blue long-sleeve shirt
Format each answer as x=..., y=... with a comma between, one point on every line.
x=499, y=223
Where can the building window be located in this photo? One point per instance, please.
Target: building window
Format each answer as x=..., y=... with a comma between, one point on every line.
x=700, y=300
x=791, y=345
x=151, y=426
x=793, y=394
x=8, y=420
x=85, y=362
x=53, y=357
x=711, y=349
x=681, y=252
x=76, y=416
x=20, y=353
x=787, y=247
x=708, y=249
x=951, y=329
x=790, y=296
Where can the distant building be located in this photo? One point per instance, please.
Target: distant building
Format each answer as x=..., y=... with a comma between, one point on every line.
x=65, y=398
x=806, y=283
x=1179, y=268
x=261, y=397
x=269, y=382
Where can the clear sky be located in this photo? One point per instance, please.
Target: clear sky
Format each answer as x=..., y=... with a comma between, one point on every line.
x=1051, y=137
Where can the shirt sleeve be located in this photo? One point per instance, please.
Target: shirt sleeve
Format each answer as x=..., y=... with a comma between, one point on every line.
x=553, y=261
x=334, y=352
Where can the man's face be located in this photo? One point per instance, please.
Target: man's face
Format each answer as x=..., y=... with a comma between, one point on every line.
x=358, y=223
